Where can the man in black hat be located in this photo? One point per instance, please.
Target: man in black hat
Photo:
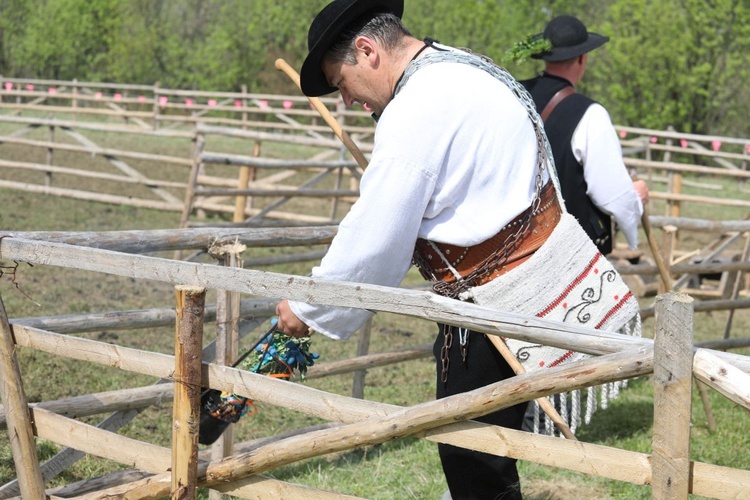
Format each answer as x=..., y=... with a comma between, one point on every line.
x=594, y=181
x=443, y=177
x=459, y=184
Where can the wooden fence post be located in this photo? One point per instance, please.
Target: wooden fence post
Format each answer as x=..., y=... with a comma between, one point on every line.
x=244, y=107
x=20, y=432
x=50, y=152
x=247, y=174
x=363, y=347
x=227, y=340
x=192, y=180
x=74, y=104
x=673, y=382
x=187, y=390
x=156, y=105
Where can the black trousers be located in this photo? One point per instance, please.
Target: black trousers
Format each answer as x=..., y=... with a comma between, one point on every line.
x=471, y=474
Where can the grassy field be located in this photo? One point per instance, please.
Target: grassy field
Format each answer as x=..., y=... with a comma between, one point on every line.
x=406, y=468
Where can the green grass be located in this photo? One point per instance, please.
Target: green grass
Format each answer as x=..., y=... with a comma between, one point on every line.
x=407, y=468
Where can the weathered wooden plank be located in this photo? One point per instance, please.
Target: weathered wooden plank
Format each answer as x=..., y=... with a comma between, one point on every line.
x=89, y=196
x=722, y=376
x=272, y=163
x=711, y=305
x=134, y=319
x=673, y=382
x=302, y=193
x=702, y=225
x=97, y=150
x=90, y=439
x=699, y=268
x=426, y=305
x=104, y=402
x=147, y=241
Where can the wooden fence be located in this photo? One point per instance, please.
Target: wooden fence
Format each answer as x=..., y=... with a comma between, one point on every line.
x=664, y=158
x=671, y=357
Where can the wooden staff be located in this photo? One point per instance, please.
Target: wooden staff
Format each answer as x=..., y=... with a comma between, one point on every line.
x=663, y=271
x=321, y=108
x=499, y=344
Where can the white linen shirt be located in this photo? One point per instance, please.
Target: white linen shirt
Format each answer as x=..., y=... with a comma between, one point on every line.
x=596, y=147
x=454, y=160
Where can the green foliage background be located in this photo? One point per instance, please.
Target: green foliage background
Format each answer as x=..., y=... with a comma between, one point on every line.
x=683, y=63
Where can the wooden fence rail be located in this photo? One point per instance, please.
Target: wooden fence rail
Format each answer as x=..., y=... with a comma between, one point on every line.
x=366, y=422
x=263, y=118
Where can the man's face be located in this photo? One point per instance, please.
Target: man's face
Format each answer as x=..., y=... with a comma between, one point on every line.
x=360, y=82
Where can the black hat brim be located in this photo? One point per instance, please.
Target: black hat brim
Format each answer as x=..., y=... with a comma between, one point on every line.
x=555, y=54
x=313, y=81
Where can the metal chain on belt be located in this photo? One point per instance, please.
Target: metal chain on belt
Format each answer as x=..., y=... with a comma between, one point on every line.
x=544, y=154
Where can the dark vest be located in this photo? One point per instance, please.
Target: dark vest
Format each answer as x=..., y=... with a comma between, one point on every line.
x=560, y=125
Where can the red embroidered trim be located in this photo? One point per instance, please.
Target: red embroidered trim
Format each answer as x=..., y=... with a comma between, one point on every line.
x=612, y=311
x=570, y=287
x=561, y=359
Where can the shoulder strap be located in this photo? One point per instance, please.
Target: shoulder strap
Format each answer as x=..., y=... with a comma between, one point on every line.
x=556, y=99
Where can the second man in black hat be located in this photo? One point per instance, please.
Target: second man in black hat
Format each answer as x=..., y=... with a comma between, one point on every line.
x=595, y=183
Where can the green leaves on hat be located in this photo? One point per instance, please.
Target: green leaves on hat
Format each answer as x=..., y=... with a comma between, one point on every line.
x=530, y=46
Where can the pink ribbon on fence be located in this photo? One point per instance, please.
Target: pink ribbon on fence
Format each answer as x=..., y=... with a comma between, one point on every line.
x=683, y=143
x=237, y=103
x=163, y=100
x=716, y=145
x=654, y=140
x=118, y=97
x=8, y=86
x=212, y=102
x=287, y=104
x=29, y=87
x=263, y=104
x=623, y=134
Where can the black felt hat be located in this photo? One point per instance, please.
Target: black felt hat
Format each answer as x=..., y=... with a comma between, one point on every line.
x=323, y=31
x=569, y=39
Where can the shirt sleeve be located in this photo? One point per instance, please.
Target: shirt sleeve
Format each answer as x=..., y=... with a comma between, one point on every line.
x=374, y=243
x=610, y=187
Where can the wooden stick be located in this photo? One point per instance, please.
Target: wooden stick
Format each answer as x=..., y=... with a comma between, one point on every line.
x=321, y=108
x=706, y=405
x=663, y=272
x=543, y=403
x=20, y=433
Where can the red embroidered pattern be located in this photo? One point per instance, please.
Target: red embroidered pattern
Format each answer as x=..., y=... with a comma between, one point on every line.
x=570, y=287
x=616, y=308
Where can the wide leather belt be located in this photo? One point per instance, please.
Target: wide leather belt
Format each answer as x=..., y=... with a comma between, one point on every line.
x=465, y=260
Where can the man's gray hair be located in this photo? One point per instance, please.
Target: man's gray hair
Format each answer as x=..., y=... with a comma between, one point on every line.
x=386, y=29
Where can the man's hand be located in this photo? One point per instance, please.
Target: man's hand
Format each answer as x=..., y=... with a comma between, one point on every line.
x=642, y=190
x=288, y=322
